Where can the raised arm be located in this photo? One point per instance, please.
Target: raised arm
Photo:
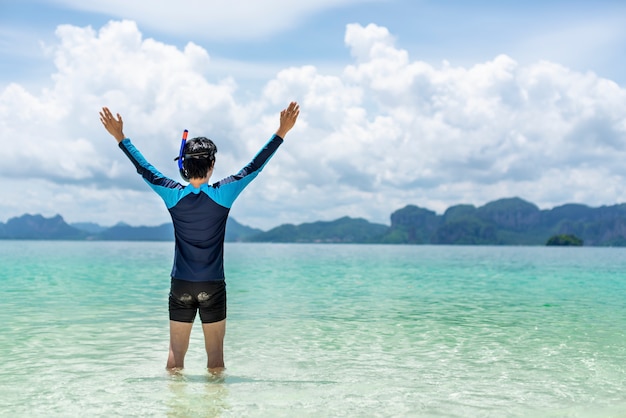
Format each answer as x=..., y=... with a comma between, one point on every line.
x=288, y=119
x=112, y=125
x=162, y=185
x=228, y=189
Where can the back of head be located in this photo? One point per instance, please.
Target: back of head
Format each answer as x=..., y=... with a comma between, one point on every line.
x=199, y=157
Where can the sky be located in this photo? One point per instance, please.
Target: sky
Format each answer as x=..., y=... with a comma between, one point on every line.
x=422, y=102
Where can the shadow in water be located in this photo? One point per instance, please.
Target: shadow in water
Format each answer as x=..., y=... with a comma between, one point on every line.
x=209, y=399
x=223, y=379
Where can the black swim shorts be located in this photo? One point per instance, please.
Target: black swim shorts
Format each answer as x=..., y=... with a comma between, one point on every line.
x=186, y=298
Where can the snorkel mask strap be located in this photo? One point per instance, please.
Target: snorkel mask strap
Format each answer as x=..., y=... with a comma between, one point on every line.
x=181, y=155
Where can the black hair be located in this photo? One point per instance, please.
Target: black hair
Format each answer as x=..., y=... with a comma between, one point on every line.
x=199, y=157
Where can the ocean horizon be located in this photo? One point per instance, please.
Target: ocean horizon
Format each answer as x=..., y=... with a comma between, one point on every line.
x=316, y=330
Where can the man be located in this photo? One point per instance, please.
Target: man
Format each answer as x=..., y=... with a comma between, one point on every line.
x=199, y=212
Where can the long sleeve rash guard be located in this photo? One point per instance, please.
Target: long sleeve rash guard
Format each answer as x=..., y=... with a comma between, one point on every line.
x=199, y=214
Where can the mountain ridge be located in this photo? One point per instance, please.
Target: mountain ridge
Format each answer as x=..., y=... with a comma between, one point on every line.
x=506, y=221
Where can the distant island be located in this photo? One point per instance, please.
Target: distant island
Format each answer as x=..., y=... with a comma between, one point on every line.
x=564, y=240
x=509, y=221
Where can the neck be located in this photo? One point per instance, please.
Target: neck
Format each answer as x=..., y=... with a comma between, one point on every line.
x=198, y=182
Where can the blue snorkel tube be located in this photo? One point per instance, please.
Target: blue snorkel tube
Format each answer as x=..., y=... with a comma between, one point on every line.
x=181, y=155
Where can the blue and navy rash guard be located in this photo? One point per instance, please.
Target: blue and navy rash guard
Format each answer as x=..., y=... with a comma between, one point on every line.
x=199, y=214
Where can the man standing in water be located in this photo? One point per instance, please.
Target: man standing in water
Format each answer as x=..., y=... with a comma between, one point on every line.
x=199, y=212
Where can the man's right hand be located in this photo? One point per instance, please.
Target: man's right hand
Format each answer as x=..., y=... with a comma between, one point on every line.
x=288, y=119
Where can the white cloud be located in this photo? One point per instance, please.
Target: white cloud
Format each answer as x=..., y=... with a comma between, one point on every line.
x=387, y=131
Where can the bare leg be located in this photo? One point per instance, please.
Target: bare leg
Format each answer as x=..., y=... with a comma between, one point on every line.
x=214, y=344
x=179, y=342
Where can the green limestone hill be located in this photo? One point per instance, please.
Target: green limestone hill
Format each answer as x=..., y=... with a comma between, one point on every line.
x=412, y=225
x=37, y=227
x=343, y=230
x=55, y=228
x=564, y=240
x=510, y=221
x=125, y=232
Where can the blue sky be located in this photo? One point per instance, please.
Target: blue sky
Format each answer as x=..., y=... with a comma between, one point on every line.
x=433, y=103
x=582, y=35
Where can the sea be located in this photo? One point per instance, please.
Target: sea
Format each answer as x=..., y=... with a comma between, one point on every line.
x=318, y=330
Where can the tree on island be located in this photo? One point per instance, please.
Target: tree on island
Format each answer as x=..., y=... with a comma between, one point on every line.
x=565, y=240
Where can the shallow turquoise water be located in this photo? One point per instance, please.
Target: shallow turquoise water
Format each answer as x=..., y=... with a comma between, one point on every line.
x=319, y=330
